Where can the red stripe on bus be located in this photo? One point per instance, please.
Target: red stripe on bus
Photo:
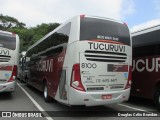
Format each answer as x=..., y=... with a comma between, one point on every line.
x=6, y=68
x=106, y=41
x=117, y=68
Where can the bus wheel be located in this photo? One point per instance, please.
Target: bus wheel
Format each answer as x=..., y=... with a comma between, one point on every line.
x=47, y=98
x=157, y=97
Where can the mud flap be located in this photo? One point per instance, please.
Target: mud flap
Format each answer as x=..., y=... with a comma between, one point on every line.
x=62, y=83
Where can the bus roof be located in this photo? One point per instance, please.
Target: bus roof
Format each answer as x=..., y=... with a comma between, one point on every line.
x=5, y=32
x=146, y=30
x=70, y=20
x=147, y=36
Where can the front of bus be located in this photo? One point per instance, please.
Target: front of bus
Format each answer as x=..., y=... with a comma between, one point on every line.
x=102, y=75
x=8, y=61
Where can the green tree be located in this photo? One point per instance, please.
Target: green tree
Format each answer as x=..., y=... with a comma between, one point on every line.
x=28, y=36
x=41, y=30
x=7, y=22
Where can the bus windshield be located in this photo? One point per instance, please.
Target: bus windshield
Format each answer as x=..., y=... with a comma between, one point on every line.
x=94, y=28
x=7, y=41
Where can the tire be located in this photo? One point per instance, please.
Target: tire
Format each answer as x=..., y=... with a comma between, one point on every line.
x=46, y=97
x=157, y=98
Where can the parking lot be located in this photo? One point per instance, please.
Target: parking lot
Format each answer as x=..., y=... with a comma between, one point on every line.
x=27, y=99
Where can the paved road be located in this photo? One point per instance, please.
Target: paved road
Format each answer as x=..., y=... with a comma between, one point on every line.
x=29, y=99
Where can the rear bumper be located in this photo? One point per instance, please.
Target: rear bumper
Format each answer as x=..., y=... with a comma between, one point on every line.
x=94, y=98
x=8, y=87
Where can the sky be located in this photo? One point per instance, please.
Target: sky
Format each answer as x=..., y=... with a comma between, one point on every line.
x=138, y=14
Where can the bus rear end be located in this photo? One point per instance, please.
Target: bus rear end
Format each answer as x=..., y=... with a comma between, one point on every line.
x=9, y=54
x=101, y=73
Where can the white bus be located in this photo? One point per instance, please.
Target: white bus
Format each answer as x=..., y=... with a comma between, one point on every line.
x=9, y=59
x=85, y=61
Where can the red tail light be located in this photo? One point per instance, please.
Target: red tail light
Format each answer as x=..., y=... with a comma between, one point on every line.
x=14, y=74
x=82, y=16
x=14, y=34
x=129, y=82
x=76, y=78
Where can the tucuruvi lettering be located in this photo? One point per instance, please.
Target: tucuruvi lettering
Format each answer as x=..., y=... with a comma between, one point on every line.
x=106, y=47
x=4, y=52
x=151, y=65
x=45, y=65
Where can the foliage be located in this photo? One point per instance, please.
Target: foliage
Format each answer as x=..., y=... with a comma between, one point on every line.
x=28, y=36
x=10, y=22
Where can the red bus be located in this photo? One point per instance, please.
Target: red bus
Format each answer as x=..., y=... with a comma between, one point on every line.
x=85, y=61
x=146, y=64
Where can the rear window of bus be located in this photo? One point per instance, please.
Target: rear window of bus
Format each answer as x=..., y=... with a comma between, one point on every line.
x=94, y=28
x=7, y=41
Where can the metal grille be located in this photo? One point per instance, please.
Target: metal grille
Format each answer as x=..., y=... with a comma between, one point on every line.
x=104, y=56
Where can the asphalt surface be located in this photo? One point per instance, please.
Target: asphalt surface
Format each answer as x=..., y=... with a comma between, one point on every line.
x=31, y=100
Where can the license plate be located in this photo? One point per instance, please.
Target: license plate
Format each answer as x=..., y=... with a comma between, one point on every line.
x=105, y=97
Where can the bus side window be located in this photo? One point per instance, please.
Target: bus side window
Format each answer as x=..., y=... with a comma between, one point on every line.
x=158, y=50
x=57, y=38
x=143, y=51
